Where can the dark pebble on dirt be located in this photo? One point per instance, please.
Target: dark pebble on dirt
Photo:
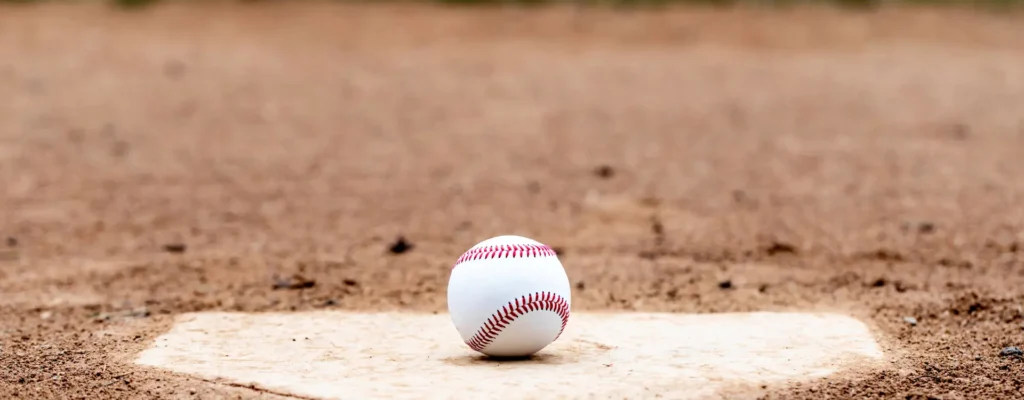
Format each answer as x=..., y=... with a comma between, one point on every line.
x=580, y=285
x=350, y=282
x=727, y=284
x=604, y=171
x=926, y=227
x=1011, y=351
x=293, y=283
x=175, y=248
x=400, y=246
x=780, y=248
x=657, y=228
x=12, y=242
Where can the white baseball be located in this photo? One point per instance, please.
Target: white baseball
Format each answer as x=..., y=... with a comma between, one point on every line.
x=509, y=296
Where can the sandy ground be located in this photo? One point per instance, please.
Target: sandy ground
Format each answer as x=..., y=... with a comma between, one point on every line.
x=268, y=157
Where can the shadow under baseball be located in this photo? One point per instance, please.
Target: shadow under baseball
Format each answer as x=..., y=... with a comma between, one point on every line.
x=481, y=359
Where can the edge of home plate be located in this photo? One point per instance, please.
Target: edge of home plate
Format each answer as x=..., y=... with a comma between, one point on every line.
x=334, y=355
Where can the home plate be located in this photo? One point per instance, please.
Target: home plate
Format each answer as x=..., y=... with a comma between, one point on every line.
x=394, y=355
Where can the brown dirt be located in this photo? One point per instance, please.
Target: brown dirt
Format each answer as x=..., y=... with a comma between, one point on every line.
x=197, y=157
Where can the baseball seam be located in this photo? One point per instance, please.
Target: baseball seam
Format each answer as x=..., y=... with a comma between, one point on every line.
x=506, y=251
x=497, y=322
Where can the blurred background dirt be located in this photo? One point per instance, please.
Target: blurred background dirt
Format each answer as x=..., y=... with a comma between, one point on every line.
x=293, y=157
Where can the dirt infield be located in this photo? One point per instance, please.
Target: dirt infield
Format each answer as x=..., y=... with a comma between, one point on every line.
x=288, y=158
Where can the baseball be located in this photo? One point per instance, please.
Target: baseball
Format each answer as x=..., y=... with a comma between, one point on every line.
x=509, y=296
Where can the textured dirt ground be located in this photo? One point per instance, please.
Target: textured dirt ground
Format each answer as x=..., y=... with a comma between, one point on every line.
x=267, y=157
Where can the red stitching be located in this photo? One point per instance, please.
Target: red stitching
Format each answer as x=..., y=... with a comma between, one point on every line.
x=506, y=251
x=540, y=301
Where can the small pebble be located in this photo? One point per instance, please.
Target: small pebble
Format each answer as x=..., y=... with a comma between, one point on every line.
x=400, y=246
x=926, y=227
x=604, y=171
x=175, y=248
x=1012, y=351
x=293, y=283
x=910, y=320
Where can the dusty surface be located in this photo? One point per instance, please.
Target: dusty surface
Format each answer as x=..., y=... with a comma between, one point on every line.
x=330, y=355
x=189, y=158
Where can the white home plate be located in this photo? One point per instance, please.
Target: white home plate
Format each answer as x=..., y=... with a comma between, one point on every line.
x=394, y=355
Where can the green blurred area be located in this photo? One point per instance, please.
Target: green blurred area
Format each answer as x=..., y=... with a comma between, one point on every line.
x=862, y=4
